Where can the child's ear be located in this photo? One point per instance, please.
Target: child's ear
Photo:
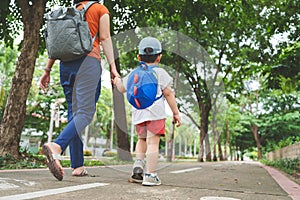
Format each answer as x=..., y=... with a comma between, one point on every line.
x=139, y=58
x=159, y=57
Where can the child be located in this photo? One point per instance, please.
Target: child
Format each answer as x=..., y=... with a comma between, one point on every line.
x=150, y=122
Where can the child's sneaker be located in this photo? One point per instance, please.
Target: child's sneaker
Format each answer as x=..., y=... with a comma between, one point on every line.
x=151, y=179
x=137, y=172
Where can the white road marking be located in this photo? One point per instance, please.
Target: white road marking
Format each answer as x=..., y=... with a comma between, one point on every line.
x=218, y=198
x=5, y=183
x=43, y=193
x=185, y=170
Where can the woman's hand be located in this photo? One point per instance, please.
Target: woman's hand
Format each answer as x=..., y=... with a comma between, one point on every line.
x=45, y=80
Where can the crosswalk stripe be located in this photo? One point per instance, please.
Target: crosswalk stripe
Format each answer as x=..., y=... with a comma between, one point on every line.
x=185, y=170
x=43, y=193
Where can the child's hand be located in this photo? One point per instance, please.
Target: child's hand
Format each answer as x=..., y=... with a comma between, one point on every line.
x=115, y=80
x=176, y=120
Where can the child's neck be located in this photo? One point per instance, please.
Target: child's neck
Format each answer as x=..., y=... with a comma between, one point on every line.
x=155, y=63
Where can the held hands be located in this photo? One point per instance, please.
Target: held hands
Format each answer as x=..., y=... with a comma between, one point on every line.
x=117, y=81
x=114, y=73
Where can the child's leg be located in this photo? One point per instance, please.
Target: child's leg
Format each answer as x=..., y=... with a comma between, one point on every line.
x=140, y=148
x=138, y=165
x=152, y=151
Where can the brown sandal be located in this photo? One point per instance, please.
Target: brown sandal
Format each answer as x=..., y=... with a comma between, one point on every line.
x=52, y=165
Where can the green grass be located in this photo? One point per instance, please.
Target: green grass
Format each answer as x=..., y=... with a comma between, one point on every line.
x=30, y=161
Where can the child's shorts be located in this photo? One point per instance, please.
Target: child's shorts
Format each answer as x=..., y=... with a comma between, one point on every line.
x=155, y=127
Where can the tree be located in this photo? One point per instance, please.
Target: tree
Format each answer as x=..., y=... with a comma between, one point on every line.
x=14, y=16
x=280, y=120
x=285, y=74
x=8, y=57
x=15, y=110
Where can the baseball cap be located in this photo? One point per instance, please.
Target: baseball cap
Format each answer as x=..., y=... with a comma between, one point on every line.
x=152, y=43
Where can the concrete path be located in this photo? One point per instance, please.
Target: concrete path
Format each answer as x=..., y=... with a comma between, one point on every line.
x=180, y=180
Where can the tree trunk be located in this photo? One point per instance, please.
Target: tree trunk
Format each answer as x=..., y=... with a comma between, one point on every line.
x=111, y=132
x=254, y=129
x=15, y=110
x=220, y=149
x=207, y=148
x=227, y=141
x=215, y=157
x=123, y=144
x=201, y=149
x=171, y=144
x=204, y=110
x=215, y=140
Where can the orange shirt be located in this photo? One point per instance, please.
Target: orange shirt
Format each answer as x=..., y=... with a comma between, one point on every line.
x=93, y=15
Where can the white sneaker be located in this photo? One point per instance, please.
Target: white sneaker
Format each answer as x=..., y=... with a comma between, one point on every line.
x=151, y=179
x=137, y=171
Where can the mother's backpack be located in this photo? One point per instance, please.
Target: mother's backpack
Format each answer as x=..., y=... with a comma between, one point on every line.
x=67, y=34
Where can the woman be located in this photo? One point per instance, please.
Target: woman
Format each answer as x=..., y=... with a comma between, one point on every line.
x=81, y=82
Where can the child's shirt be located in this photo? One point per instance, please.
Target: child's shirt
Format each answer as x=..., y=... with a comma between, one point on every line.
x=157, y=110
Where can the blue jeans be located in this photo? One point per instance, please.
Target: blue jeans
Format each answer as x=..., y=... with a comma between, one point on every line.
x=81, y=82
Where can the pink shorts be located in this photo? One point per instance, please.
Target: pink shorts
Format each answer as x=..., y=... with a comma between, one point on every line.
x=155, y=127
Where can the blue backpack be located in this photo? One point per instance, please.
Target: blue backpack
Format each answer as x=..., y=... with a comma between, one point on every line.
x=142, y=86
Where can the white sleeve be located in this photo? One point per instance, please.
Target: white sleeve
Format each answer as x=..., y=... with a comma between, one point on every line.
x=164, y=79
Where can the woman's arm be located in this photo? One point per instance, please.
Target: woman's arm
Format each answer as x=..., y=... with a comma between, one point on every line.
x=105, y=39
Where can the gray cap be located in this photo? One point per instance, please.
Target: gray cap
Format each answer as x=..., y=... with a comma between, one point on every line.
x=152, y=43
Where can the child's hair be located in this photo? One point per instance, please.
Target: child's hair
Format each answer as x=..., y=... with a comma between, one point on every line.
x=149, y=58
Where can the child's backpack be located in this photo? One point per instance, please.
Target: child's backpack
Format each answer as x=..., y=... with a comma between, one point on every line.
x=142, y=86
x=67, y=34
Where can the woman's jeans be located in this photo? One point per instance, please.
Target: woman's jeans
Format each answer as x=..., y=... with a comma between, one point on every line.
x=81, y=82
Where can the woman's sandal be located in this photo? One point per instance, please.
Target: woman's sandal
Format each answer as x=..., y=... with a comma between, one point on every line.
x=52, y=165
x=82, y=173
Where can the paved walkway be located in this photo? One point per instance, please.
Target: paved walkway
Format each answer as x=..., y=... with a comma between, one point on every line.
x=180, y=180
x=292, y=188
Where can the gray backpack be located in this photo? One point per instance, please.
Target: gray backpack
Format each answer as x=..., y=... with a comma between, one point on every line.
x=67, y=34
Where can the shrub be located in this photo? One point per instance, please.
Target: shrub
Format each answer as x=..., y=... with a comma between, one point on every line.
x=25, y=160
x=110, y=153
x=87, y=153
x=290, y=166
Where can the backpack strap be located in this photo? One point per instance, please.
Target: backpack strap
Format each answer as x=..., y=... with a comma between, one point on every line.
x=86, y=7
x=155, y=66
x=145, y=66
x=84, y=10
